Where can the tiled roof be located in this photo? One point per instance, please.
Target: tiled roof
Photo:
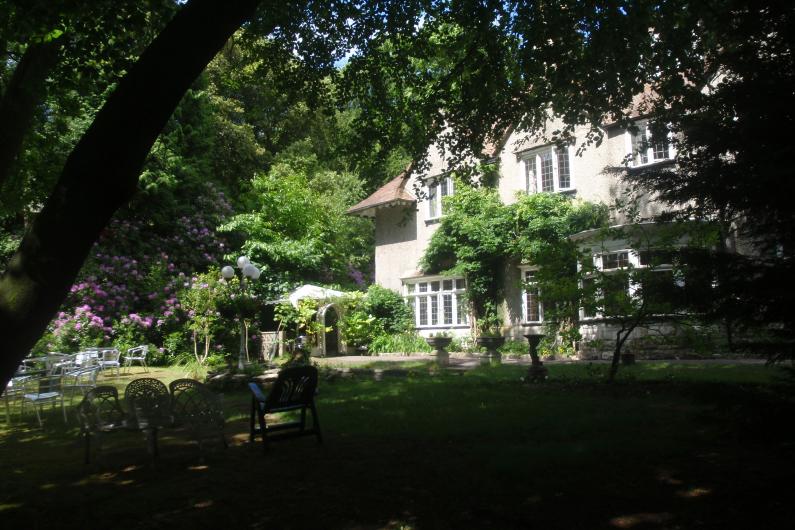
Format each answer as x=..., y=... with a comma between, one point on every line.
x=492, y=149
x=640, y=106
x=393, y=193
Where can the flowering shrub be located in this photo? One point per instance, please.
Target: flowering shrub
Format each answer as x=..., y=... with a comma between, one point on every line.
x=129, y=290
x=82, y=327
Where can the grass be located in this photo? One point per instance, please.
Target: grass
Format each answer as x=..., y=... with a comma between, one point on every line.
x=667, y=446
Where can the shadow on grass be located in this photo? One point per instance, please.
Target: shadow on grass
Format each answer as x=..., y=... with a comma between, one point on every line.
x=476, y=450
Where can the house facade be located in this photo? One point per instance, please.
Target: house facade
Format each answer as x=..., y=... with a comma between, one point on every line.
x=526, y=163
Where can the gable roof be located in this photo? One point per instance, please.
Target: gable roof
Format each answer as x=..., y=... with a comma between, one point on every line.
x=393, y=193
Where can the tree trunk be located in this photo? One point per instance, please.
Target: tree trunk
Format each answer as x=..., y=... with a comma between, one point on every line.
x=621, y=337
x=24, y=93
x=101, y=173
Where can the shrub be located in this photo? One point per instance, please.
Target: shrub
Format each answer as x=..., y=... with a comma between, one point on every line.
x=407, y=342
x=514, y=347
x=389, y=309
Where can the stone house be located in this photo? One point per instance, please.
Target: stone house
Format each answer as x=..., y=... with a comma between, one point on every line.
x=527, y=163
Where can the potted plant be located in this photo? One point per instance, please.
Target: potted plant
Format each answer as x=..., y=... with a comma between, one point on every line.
x=439, y=342
x=489, y=336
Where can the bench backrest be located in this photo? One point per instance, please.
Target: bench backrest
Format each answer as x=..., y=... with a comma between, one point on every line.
x=294, y=386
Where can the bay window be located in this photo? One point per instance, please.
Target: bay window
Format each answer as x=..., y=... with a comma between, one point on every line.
x=629, y=275
x=437, y=302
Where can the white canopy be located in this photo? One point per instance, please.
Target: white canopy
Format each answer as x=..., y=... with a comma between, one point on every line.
x=313, y=292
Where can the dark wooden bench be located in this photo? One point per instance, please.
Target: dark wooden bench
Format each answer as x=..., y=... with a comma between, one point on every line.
x=293, y=390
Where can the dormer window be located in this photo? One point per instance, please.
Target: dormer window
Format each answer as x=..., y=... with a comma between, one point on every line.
x=644, y=147
x=441, y=188
x=548, y=169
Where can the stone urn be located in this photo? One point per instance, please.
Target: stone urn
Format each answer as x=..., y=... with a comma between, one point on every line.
x=491, y=343
x=439, y=345
x=537, y=370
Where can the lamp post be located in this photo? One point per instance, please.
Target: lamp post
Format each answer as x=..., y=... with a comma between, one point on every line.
x=245, y=269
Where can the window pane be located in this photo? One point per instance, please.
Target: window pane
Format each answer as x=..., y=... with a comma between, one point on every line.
x=461, y=310
x=410, y=288
x=533, y=305
x=547, y=179
x=423, y=287
x=530, y=174
x=615, y=260
x=448, y=308
x=615, y=290
x=445, y=185
x=660, y=149
x=447, y=285
x=564, y=171
x=660, y=291
x=531, y=302
x=654, y=258
x=589, y=296
x=434, y=309
x=639, y=147
x=423, y=310
x=459, y=284
x=433, y=209
x=434, y=286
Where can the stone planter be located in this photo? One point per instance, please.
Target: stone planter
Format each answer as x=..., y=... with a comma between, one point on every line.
x=491, y=344
x=439, y=345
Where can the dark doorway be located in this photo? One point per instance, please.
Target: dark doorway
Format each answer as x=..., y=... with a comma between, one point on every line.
x=331, y=337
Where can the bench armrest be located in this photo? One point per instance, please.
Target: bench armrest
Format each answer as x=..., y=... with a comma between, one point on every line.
x=257, y=391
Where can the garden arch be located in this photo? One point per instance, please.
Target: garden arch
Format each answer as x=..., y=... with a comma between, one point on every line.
x=329, y=317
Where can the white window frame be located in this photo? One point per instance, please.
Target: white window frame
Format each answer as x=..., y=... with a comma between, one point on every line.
x=434, y=191
x=420, y=300
x=645, y=132
x=524, y=270
x=633, y=261
x=531, y=169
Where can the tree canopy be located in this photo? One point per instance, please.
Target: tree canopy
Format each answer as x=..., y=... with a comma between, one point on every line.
x=455, y=73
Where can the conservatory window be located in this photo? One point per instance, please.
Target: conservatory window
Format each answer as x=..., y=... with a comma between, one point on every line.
x=661, y=286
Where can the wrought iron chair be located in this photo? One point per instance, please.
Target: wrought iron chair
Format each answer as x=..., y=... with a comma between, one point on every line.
x=137, y=354
x=109, y=360
x=149, y=408
x=198, y=409
x=100, y=412
x=294, y=389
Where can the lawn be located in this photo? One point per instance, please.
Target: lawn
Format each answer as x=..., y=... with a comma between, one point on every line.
x=667, y=446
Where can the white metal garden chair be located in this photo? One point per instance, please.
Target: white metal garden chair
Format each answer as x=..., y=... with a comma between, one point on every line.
x=12, y=394
x=79, y=381
x=110, y=360
x=136, y=354
x=40, y=391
